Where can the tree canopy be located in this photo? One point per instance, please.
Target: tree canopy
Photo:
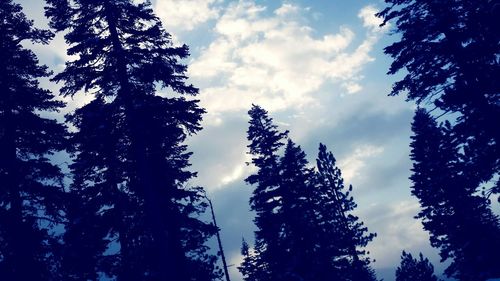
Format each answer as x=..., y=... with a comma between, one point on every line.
x=450, y=50
x=451, y=209
x=130, y=163
x=31, y=187
x=413, y=269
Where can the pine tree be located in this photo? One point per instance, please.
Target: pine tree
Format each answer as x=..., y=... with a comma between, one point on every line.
x=305, y=229
x=452, y=212
x=252, y=267
x=449, y=51
x=95, y=188
x=31, y=188
x=129, y=160
x=265, y=142
x=343, y=236
x=283, y=241
x=297, y=218
x=412, y=269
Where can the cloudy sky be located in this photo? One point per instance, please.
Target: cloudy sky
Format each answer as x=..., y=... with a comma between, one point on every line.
x=319, y=69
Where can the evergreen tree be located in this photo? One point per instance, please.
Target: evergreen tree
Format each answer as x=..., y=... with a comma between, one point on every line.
x=459, y=220
x=30, y=185
x=95, y=188
x=342, y=234
x=265, y=141
x=449, y=50
x=412, y=269
x=129, y=161
x=296, y=217
x=252, y=267
x=305, y=229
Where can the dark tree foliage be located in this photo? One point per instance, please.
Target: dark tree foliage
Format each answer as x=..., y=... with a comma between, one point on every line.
x=96, y=171
x=254, y=266
x=30, y=185
x=138, y=218
x=450, y=51
x=296, y=217
x=412, y=269
x=305, y=229
x=345, y=233
x=265, y=141
x=459, y=220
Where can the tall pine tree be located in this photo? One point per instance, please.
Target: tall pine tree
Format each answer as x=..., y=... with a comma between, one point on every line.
x=265, y=142
x=345, y=233
x=296, y=217
x=30, y=185
x=449, y=51
x=459, y=220
x=412, y=269
x=95, y=189
x=130, y=163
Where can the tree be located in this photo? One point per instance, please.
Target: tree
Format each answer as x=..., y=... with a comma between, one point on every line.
x=451, y=209
x=31, y=188
x=343, y=236
x=297, y=220
x=305, y=229
x=96, y=172
x=450, y=52
x=129, y=161
x=412, y=269
x=253, y=267
x=283, y=240
x=265, y=141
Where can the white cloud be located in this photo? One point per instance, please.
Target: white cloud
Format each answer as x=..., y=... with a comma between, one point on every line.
x=238, y=171
x=287, y=9
x=274, y=59
x=235, y=174
x=352, y=165
x=186, y=14
x=367, y=14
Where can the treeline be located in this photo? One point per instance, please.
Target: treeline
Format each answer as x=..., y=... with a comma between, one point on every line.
x=128, y=212
x=306, y=229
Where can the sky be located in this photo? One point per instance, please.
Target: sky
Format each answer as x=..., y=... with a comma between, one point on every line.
x=318, y=67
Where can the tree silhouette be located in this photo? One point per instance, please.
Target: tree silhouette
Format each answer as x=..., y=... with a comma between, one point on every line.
x=344, y=234
x=31, y=189
x=297, y=218
x=450, y=52
x=412, y=269
x=452, y=211
x=265, y=141
x=129, y=160
x=305, y=229
x=95, y=188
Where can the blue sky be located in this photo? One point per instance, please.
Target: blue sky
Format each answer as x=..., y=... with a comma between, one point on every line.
x=319, y=68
